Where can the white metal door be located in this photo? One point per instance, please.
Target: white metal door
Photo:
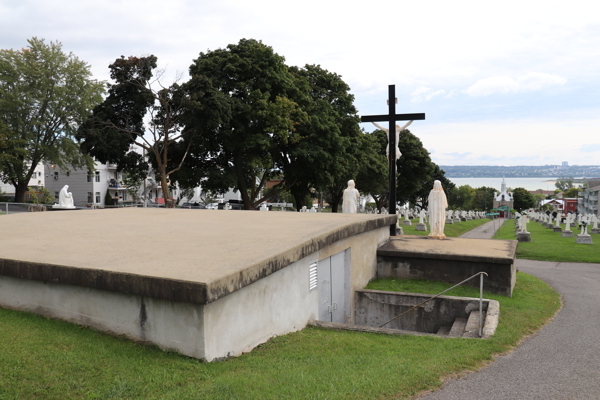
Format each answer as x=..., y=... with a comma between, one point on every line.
x=324, y=277
x=338, y=275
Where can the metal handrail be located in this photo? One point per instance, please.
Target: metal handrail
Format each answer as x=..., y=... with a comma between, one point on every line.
x=441, y=293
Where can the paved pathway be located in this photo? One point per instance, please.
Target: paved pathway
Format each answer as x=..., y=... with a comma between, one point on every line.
x=485, y=231
x=562, y=361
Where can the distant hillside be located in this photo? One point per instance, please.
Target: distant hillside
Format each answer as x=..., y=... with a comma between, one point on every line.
x=491, y=171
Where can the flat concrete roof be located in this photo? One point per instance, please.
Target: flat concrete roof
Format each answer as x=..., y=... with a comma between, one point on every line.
x=463, y=249
x=178, y=254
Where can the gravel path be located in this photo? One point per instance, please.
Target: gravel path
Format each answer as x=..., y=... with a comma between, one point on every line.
x=562, y=361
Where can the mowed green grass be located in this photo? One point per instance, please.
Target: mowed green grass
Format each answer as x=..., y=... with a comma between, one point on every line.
x=547, y=245
x=49, y=359
x=451, y=230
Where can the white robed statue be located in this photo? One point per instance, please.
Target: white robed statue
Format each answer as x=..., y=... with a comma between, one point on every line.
x=437, y=215
x=65, y=199
x=350, y=199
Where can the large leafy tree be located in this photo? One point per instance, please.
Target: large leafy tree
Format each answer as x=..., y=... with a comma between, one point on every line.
x=45, y=95
x=327, y=153
x=244, y=151
x=414, y=168
x=373, y=173
x=523, y=199
x=135, y=112
x=421, y=199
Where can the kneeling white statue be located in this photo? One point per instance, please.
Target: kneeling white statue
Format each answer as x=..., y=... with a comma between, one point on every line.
x=350, y=199
x=65, y=199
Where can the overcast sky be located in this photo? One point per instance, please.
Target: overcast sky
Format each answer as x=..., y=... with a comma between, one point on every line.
x=501, y=83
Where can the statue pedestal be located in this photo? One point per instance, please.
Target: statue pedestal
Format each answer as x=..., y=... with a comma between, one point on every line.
x=524, y=237
x=463, y=219
x=550, y=226
x=421, y=227
x=583, y=239
x=469, y=218
x=449, y=221
x=407, y=222
x=58, y=207
x=567, y=234
x=596, y=230
x=557, y=229
x=456, y=219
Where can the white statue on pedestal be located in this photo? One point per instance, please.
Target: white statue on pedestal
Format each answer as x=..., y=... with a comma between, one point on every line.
x=422, y=216
x=398, y=130
x=350, y=199
x=438, y=202
x=264, y=207
x=65, y=199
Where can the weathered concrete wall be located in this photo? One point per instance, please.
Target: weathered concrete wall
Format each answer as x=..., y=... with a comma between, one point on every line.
x=281, y=303
x=278, y=304
x=275, y=304
x=376, y=307
x=169, y=324
x=363, y=263
x=501, y=277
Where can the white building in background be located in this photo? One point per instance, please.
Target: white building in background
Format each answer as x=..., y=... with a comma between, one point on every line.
x=88, y=188
x=36, y=182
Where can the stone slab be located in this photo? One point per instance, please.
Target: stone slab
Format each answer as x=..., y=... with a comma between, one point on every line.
x=567, y=234
x=451, y=260
x=197, y=256
x=583, y=239
x=407, y=222
x=557, y=229
x=523, y=237
x=421, y=227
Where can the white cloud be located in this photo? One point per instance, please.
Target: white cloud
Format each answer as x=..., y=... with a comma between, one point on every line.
x=504, y=84
x=423, y=93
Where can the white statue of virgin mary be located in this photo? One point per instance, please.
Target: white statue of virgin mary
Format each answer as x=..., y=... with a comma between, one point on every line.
x=437, y=215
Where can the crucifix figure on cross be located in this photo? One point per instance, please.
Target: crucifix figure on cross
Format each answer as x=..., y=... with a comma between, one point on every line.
x=391, y=118
x=398, y=130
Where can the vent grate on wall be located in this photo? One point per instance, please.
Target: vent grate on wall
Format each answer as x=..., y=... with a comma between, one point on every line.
x=312, y=276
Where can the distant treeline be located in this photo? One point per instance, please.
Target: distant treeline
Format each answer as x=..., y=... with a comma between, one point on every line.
x=520, y=171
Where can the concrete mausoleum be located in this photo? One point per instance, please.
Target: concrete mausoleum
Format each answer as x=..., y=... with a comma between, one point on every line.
x=208, y=284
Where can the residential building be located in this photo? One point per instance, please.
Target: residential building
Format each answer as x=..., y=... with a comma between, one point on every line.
x=588, y=201
x=36, y=182
x=88, y=188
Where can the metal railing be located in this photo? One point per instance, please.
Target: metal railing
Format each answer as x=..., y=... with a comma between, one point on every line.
x=447, y=290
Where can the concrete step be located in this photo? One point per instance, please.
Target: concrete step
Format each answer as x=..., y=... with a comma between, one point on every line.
x=472, y=327
x=458, y=327
x=444, y=331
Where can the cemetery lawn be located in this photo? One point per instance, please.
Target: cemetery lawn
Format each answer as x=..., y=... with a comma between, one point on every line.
x=51, y=359
x=550, y=246
x=451, y=230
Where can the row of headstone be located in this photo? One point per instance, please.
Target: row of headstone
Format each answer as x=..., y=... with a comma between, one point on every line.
x=456, y=216
x=581, y=221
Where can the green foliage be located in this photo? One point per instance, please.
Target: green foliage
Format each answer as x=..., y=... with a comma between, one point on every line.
x=108, y=200
x=45, y=95
x=328, y=152
x=42, y=196
x=462, y=198
x=133, y=182
x=571, y=193
x=244, y=148
x=51, y=359
x=523, y=199
x=414, y=168
x=564, y=184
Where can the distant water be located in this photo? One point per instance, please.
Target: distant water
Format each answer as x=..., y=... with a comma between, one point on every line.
x=544, y=183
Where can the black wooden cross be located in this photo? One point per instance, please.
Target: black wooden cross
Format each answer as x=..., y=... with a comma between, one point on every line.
x=391, y=118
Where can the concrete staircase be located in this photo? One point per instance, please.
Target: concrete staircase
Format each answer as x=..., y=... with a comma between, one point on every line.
x=463, y=327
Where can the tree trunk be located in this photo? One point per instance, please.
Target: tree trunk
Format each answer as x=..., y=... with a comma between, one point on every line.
x=20, y=190
x=169, y=203
x=299, y=202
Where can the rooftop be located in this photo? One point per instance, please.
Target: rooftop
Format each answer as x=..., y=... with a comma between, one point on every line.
x=178, y=254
